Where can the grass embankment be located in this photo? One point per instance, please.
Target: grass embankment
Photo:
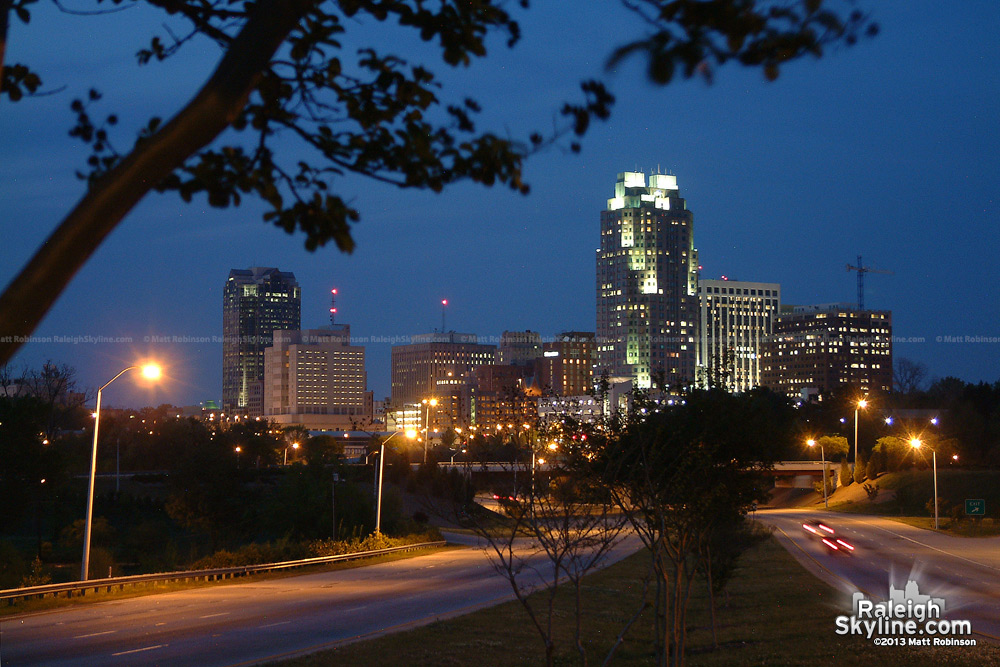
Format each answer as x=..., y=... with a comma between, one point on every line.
x=777, y=614
x=155, y=588
x=908, y=497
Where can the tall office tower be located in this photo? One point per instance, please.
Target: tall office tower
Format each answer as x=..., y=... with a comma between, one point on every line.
x=438, y=366
x=255, y=302
x=503, y=397
x=566, y=367
x=828, y=346
x=647, y=276
x=735, y=319
x=519, y=348
x=316, y=378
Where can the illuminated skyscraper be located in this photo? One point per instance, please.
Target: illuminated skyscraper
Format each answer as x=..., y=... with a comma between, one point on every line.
x=316, y=378
x=735, y=320
x=647, y=275
x=255, y=302
x=826, y=347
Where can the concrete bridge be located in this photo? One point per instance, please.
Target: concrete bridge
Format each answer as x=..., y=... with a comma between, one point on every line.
x=801, y=474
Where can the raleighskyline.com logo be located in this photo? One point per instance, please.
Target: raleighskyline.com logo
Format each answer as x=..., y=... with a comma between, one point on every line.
x=907, y=618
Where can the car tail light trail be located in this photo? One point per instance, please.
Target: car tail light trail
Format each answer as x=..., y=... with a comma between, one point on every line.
x=830, y=544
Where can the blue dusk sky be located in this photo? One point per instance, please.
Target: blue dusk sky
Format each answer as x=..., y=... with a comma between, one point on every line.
x=889, y=150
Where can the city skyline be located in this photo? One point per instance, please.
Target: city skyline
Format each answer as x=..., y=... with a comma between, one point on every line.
x=886, y=150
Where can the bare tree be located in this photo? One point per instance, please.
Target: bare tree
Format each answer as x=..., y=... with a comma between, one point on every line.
x=557, y=529
x=908, y=376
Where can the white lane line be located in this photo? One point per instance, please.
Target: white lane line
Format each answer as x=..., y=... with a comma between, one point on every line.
x=159, y=624
x=139, y=650
x=95, y=634
x=271, y=625
x=947, y=553
x=222, y=613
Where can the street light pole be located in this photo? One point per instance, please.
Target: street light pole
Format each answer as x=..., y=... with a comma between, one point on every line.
x=427, y=422
x=822, y=454
x=861, y=404
x=381, y=460
x=916, y=444
x=934, y=462
x=150, y=371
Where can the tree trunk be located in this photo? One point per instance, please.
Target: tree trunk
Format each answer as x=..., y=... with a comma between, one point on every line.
x=579, y=622
x=711, y=594
x=33, y=292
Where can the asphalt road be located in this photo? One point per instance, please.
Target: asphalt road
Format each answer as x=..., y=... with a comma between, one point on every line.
x=963, y=571
x=258, y=621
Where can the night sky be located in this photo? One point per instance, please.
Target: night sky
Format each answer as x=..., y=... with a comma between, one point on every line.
x=889, y=149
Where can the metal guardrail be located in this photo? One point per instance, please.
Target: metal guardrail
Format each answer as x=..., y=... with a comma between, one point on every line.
x=12, y=595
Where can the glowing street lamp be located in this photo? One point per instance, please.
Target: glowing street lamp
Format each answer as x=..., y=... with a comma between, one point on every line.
x=917, y=444
x=294, y=445
x=822, y=454
x=862, y=404
x=150, y=372
x=428, y=404
x=411, y=434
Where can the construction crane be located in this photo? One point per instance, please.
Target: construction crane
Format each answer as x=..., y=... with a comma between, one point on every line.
x=862, y=270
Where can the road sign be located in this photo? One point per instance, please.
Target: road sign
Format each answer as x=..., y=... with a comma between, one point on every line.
x=975, y=507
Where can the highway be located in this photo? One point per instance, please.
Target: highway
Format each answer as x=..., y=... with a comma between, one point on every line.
x=262, y=620
x=963, y=571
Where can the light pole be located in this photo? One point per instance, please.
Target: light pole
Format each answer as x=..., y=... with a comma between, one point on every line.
x=822, y=454
x=150, y=372
x=294, y=445
x=428, y=404
x=916, y=444
x=381, y=460
x=860, y=406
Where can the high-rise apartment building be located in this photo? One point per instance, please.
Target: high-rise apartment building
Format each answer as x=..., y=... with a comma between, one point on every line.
x=255, y=303
x=828, y=346
x=316, y=378
x=566, y=367
x=735, y=319
x=519, y=348
x=647, y=275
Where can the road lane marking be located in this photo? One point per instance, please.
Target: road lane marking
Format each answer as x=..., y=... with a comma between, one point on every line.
x=271, y=625
x=947, y=553
x=139, y=650
x=221, y=613
x=95, y=634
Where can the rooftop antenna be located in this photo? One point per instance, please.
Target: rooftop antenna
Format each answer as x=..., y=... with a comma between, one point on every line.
x=444, y=303
x=333, y=305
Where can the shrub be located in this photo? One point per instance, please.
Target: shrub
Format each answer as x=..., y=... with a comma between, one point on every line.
x=39, y=575
x=845, y=472
x=860, y=467
x=874, y=466
x=831, y=484
x=871, y=490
